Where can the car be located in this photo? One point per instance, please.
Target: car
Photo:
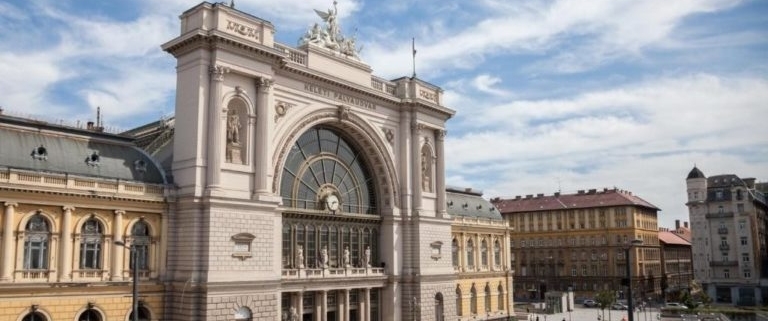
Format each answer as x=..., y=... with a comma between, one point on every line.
x=618, y=306
x=589, y=303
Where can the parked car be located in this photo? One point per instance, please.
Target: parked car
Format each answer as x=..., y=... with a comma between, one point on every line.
x=674, y=304
x=589, y=303
x=618, y=306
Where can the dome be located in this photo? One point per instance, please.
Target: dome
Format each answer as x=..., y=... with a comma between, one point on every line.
x=695, y=173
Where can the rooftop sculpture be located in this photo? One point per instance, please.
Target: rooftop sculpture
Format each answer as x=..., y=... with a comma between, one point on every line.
x=329, y=36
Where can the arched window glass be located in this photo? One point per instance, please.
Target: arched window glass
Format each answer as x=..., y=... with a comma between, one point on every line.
x=487, y=298
x=89, y=315
x=470, y=254
x=455, y=252
x=500, y=294
x=484, y=253
x=322, y=164
x=287, y=257
x=34, y=316
x=439, y=315
x=459, y=310
x=143, y=314
x=497, y=252
x=334, y=247
x=354, y=247
x=91, y=236
x=141, y=241
x=311, y=249
x=243, y=314
x=473, y=300
x=36, y=240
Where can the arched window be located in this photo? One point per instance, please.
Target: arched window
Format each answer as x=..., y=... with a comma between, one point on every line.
x=500, y=294
x=34, y=316
x=470, y=254
x=459, y=309
x=487, y=297
x=89, y=315
x=323, y=167
x=143, y=314
x=484, y=253
x=141, y=241
x=497, y=253
x=36, y=238
x=243, y=314
x=455, y=252
x=287, y=257
x=91, y=236
x=473, y=300
x=439, y=315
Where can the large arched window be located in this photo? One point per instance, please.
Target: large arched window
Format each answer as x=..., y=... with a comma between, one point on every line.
x=323, y=171
x=439, y=315
x=497, y=253
x=36, y=243
x=459, y=309
x=89, y=315
x=34, y=316
x=470, y=254
x=500, y=294
x=487, y=297
x=143, y=314
x=141, y=242
x=473, y=300
x=90, y=244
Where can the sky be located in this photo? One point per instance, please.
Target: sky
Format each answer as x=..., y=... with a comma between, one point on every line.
x=551, y=95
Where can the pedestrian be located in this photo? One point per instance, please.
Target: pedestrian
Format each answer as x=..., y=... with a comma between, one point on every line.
x=537, y=318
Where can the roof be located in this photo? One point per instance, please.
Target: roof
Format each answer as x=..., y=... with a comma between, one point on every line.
x=695, y=173
x=590, y=199
x=73, y=151
x=469, y=203
x=670, y=238
x=684, y=233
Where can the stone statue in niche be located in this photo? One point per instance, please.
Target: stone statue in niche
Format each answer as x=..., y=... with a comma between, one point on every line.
x=367, y=256
x=426, y=171
x=346, y=256
x=324, y=257
x=233, y=127
x=300, y=257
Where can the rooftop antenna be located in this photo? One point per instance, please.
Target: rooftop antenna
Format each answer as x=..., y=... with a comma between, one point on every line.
x=413, y=47
x=98, y=116
x=559, y=188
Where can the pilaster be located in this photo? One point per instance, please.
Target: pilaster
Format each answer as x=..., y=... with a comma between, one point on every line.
x=116, y=270
x=262, y=159
x=65, y=251
x=216, y=116
x=8, y=232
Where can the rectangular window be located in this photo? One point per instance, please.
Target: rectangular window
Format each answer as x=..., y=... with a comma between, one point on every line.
x=726, y=274
x=747, y=274
x=743, y=240
x=745, y=257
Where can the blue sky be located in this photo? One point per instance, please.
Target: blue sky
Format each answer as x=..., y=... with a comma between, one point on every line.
x=550, y=94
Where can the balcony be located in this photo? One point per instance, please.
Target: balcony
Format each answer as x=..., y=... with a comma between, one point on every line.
x=336, y=273
x=722, y=230
x=725, y=247
x=723, y=263
x=719, y=215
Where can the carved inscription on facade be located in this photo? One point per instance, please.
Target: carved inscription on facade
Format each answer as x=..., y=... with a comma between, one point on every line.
x=325, y=92
x=243, y=30
x=428, y=95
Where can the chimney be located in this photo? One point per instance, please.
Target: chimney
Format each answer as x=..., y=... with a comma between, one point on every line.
x=539, y=195
x=518, y=197
x=529, y=196
x=677, y=224
x=89, y=126
x=592, y=191
x=557, y=194
x=581, y=191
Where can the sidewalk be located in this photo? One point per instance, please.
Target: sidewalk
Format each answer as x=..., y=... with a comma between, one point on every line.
x=591, y=314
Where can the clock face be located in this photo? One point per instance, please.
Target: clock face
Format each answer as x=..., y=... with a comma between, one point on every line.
x=332, y=202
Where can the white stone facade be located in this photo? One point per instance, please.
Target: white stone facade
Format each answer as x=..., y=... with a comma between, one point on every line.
x=268, y=216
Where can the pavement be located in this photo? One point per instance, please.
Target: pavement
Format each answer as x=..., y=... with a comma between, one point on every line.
x=591, y=314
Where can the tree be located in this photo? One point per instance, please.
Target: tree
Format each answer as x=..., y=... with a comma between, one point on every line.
x=604, y=300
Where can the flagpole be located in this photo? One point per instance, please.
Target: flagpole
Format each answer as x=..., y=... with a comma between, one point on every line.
x=413, y=48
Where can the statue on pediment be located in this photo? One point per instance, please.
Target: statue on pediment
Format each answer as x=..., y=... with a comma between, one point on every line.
x=329, y=36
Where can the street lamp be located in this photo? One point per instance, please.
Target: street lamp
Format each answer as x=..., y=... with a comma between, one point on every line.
x=630, y=307
x=135, y=267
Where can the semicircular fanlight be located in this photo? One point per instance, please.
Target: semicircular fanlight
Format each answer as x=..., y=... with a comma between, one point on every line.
x=323, y=163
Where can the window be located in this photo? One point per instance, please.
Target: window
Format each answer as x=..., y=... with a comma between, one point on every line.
x=584, y=270
x=90, y=244
x=473, y=300
x=140, y=235
x=459, y=310
x=243, y=314
x=34, y=316
x=455, y=252
x=36, y=243
x=497, y=252
x=720, y=209
x=439, y=315
x=725, y=256
x=500, y=298
x=742, y=224
x=747, y=274
x=719, y=195
x=484, y=253
x=745, y=257
x=487, y=297
x=470, y=254
x=89, y=315
x=726, y=274
x=743, y=240
x=143, y=314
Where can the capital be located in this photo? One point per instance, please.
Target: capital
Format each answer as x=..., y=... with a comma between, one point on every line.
x=440, y=134
x=265, y=84
x=119, y=212
x=11, y=204
x=68, y=208
x=217, y=72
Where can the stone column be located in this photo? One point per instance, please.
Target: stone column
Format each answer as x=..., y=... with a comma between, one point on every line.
x=365, y=305
x=345, y=312
x=216, y=115
x=65, y=254
x=323, y=305
x=416, y=164
x=300, y=305
x=117, y=250
x=8, y=258
x=261, y=154
x=440, y=172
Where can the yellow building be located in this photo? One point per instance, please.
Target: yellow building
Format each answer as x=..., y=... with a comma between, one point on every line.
x=67, y=194
x=480, y=254
x=578, y=242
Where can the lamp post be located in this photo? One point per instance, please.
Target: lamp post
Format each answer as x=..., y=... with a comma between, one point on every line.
x=135, y=267
x=630, y=306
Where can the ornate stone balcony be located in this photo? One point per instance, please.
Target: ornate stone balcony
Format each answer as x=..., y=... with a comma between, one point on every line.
x=289, y=274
